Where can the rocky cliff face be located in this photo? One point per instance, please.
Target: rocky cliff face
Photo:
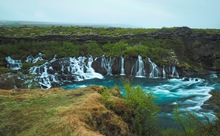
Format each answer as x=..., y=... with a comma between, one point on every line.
x=62, y=71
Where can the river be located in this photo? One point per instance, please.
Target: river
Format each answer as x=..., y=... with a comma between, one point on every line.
x=189, y=93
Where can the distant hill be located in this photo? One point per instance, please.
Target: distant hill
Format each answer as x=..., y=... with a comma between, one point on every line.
x=46, y=24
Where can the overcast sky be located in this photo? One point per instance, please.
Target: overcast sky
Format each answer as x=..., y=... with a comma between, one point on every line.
x=137, y=13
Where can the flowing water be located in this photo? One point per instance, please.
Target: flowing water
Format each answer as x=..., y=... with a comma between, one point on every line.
x=140, y=72
x=122, y=66
x=189, y=93
x=155, y=72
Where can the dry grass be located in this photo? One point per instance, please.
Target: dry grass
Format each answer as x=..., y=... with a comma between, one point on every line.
x=58, y=112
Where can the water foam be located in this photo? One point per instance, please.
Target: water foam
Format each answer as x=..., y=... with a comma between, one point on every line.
x=188, y=94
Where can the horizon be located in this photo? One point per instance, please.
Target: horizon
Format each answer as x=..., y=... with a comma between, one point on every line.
x=132, y=13
x=64, y=24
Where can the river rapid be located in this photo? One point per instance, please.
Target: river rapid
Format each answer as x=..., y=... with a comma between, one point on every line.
x=189, y=93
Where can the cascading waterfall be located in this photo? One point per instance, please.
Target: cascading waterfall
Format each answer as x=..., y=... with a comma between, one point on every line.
x=140, y=67
x=122, y=67
x=44, y=73
x=31, y=59
x=62, y=68
x=43, y=77
x=174, y=72
x=13, y=64
x=33, y=70
x=164, y=72
x=75, y=67
x=90, y=71
x=89, y=65
x=59, y=71
x=107, y=64
x=155, y=71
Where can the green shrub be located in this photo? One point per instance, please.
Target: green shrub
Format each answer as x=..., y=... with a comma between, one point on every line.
x=134, y=51
x=115, y=49
x=191, y=125
x=144, y=110
x=92, y=48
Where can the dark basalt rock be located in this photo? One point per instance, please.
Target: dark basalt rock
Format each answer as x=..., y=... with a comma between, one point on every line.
x=209, y=55
x=183, y=31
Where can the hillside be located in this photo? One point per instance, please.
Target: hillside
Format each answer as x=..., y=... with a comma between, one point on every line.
x=58, y=112
x=93, y=111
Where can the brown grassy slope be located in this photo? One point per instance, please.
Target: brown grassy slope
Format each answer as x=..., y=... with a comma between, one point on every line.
x=58, y=112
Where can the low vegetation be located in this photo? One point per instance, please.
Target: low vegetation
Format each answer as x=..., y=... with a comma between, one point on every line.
x=73, y=30
x=32, y=31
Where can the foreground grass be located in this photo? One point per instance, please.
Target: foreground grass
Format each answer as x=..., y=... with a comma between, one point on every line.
x=57, y=112
x=92, y=111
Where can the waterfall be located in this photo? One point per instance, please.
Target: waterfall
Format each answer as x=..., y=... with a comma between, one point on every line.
x=31, y=59
x=13, y=64
x=44, y=73
x=42, y=77
x=45, y=83
x=164, y=72
x=62, y=68
x=89, y=65
x=155, y=72
x=174, y=72
x=90, y=72
x=75, y=67
x=53, y=79
x=140, y=67
x=59, y=71
x=107, y=64
x=33, y=70
x=122, y=67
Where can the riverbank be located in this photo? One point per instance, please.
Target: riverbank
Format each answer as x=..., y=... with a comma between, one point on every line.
x=82, y=111
x=58, y=112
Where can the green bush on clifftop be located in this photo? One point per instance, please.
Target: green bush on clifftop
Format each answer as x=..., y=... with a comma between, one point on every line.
x=144, y=111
